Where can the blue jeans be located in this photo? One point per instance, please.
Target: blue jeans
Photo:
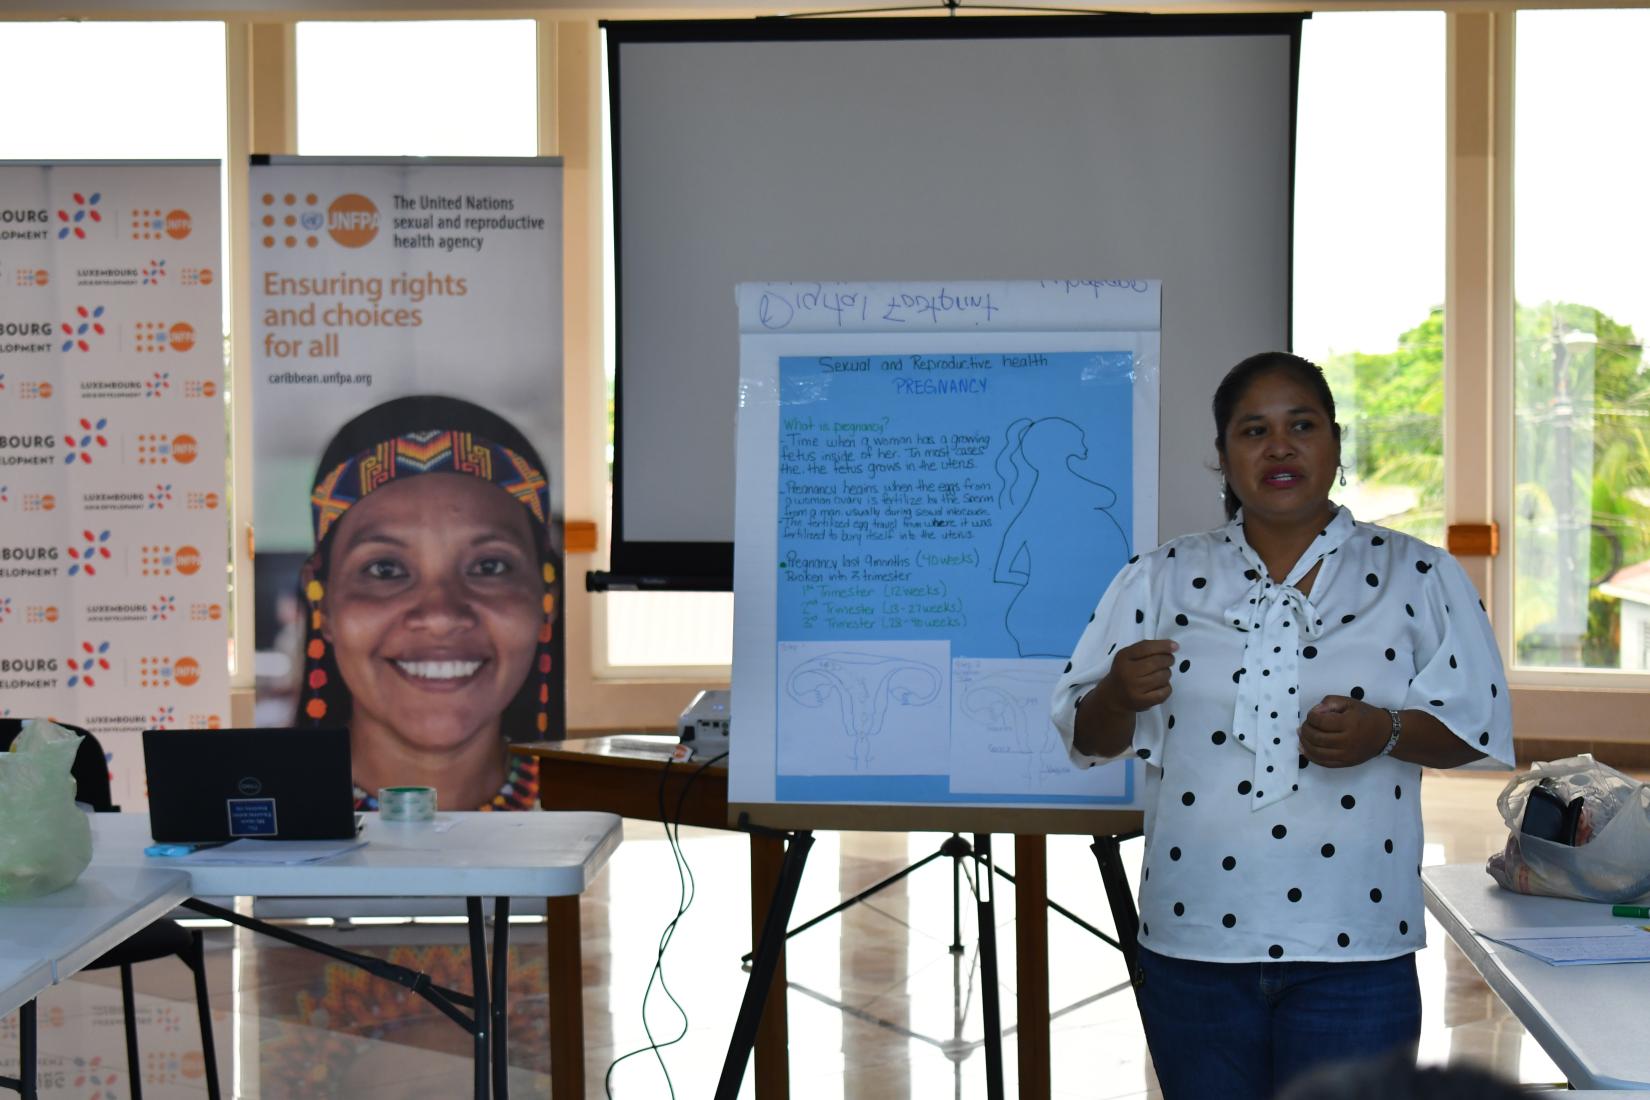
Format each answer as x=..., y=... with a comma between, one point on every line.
x=1242, y=1031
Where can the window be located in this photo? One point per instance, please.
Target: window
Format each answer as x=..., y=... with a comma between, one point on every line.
x=1581, y=404
x=1369, y=254
x=127, y=91
x=418, y=89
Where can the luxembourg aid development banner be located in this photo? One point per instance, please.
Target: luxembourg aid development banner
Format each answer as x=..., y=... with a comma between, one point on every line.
x=113, y=536
x=373, y=281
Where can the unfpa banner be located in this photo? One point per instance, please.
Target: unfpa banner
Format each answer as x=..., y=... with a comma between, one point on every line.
x=113, y=530
x=406, y=341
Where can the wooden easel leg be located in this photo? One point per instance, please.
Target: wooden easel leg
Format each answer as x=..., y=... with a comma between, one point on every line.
x=1031, y=946
x=773, y=1071
x=566, y=979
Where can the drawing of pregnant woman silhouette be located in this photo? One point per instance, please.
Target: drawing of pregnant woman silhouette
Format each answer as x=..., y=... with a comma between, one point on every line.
x=1063, y=545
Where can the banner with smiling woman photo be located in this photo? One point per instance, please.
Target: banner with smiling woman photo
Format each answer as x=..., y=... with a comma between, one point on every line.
x=406, y=343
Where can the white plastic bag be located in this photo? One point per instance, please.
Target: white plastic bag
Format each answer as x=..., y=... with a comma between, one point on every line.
x=1610, y=860
x=45, y=839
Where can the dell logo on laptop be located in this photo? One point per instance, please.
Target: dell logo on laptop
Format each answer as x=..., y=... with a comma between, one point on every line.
x=249, y=786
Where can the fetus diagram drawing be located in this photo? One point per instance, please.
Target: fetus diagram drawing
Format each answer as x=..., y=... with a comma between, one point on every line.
x=1001, y=736
x=846, y=696
x=1063, y=545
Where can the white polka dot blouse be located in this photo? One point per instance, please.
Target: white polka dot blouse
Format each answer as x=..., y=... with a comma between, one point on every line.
x=1252, y=853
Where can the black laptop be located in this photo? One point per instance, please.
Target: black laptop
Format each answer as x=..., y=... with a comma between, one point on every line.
x=210, y=786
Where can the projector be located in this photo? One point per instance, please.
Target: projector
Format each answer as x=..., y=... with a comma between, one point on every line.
x=704, y=724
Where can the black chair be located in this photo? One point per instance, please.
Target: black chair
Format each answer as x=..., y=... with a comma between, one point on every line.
x=163, y=938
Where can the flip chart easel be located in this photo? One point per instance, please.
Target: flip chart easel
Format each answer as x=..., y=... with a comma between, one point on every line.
x=935, y=483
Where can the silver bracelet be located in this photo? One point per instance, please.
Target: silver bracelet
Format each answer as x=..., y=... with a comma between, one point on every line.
x=1397, y=731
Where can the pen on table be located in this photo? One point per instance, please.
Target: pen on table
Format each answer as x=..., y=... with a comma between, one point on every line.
x=170, y=849
x=1630, y=911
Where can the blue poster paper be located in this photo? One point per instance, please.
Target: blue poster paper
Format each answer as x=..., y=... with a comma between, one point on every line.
x=941, y=517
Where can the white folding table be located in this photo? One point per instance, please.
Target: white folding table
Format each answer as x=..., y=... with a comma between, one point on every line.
x=46, y=940
x=469, y=855
x=1584, y=1017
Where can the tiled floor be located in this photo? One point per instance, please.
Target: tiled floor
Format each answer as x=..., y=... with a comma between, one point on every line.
x=879, y=1007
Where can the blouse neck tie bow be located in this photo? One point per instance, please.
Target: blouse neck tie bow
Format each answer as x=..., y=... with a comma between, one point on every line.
x=1279, y=623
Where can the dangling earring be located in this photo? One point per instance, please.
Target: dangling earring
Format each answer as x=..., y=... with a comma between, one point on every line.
x=546, y=633
x=1343, y=477
x=316, y=707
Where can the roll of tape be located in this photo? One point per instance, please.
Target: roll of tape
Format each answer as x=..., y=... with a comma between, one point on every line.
x=406, y=803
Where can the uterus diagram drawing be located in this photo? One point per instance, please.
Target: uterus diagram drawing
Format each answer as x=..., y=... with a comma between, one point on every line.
x=883, y=705
x=1063, y=544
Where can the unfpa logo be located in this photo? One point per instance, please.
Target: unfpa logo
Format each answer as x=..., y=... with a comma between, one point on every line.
x=84, y=556
x=205, y=612
x=34, y=391
x=205, y=722
x=295, y=224
x=156, y=561
x=165, y=1068
x=33, y=276
x=352, y=220
x=202, y=501
x=159, y=672
x=90, y=660
x=82, y=444
x=196, y=276
x=158, y=336
x=78, y=331
x=158, y=450
x=36, y=502
x=200, y=387
x=163, y=561
x=39, y=615
x=75, y=218
x=156, y=224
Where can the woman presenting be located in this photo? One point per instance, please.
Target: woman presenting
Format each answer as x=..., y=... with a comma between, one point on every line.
x=1285, y=678
x=431, y=597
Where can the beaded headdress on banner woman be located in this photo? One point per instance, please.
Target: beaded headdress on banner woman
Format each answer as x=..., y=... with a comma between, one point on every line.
x=406, y=438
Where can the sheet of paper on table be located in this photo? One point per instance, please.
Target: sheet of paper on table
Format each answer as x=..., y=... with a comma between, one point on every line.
x=280, y=851
x=1577, y=946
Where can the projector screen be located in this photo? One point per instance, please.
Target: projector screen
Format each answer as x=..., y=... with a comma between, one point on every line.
x=1104, y=147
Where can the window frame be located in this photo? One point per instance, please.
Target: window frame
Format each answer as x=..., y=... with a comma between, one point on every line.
x=1488, y=46
x=1478, y=443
